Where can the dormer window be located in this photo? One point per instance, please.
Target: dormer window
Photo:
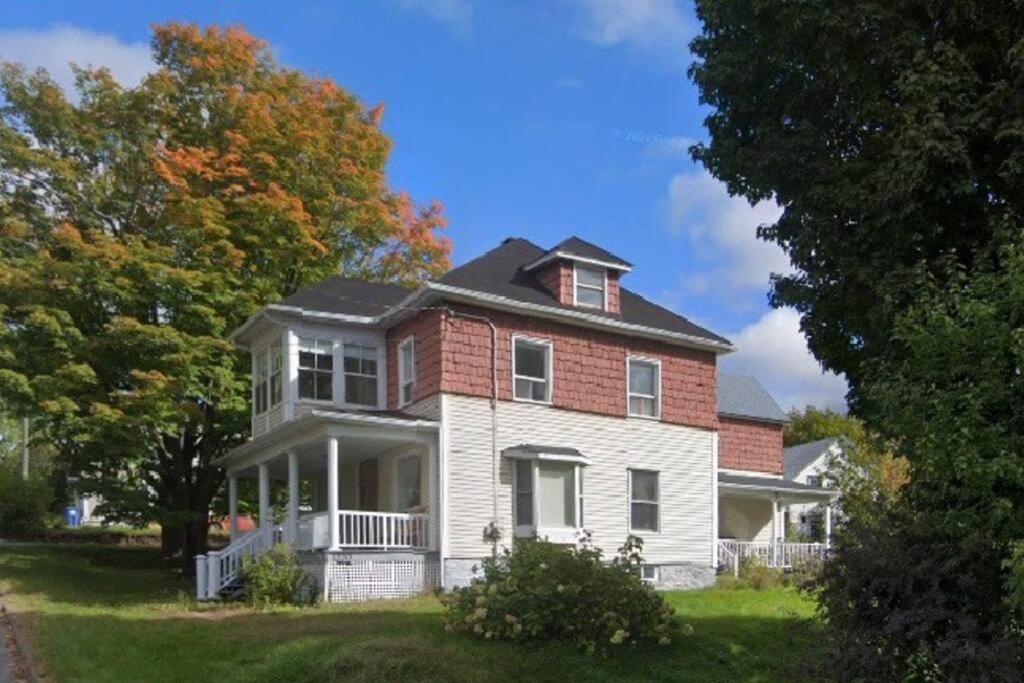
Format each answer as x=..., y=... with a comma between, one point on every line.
x=591, y=285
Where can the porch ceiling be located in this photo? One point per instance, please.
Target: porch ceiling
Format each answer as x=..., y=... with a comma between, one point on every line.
x=761, y=487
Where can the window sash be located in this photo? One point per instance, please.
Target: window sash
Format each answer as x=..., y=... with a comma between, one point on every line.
x=531, y=387
x=406, y=371
x=316, y=369
x=547, y=495
x=360, y=371
x=642, y=402
x=276, y=370
x=259, y=386
x=588, y=286
x=644, y=510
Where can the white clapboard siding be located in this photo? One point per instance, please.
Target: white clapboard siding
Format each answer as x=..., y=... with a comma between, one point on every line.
x=682, y=455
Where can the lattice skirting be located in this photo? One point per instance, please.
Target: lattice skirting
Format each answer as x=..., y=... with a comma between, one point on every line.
x=380, y=579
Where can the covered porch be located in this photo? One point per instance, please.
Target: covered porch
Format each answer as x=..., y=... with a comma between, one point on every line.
x=350, y=487
x=751, y=522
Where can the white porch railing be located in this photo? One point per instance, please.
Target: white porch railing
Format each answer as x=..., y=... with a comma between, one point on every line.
x=367, y=530
x=219, y=568
x=779, y=554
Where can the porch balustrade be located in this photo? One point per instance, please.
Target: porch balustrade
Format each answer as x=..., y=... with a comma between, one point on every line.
x=365, y=530
x=778, y=554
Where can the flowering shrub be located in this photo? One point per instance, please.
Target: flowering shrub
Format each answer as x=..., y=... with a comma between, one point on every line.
x=543, y=591
x=275, y=578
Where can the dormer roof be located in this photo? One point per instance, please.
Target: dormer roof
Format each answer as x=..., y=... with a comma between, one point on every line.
x=580, y=251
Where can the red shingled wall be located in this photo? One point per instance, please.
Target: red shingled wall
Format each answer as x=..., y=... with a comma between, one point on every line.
x=750, y=445
x=557, y=279
x=589, y=367
x=426, y=329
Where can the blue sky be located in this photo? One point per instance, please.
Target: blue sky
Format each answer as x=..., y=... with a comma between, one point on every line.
x=535, y=119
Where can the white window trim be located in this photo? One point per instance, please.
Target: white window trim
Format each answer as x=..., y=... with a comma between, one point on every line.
x=553, y=534
x=402, y=371
x=576, y=285
x=656, y=362
x=335, y=345
x=630, y=501
x=655, y=573
x=271, y=348
x=550, y=368
x=339, y=363
x=262, y=353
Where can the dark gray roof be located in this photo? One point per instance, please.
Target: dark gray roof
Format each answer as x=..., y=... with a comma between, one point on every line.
x=500, y=272
x=768, y=483
x=796, y=458
x=584, y=249
x=339, y=294
x=743, y=396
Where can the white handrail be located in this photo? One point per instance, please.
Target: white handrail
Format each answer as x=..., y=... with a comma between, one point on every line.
x=780, y=554
x=216, y=570
x=367, y=530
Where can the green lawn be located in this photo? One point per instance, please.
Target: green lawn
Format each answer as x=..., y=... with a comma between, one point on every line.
x=98, y=613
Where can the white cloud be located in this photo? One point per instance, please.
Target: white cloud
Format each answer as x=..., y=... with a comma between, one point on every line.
x=457, y=15
x=722, y=231
x=646, y=25
x=56, y=47
x=774, y=350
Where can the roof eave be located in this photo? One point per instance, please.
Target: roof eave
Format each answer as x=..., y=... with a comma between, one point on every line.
x=751, y=418
x=568, y=256
x=589, y=319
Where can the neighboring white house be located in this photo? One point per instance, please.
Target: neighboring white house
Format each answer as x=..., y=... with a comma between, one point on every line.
x=808, y=463
x=525, y=391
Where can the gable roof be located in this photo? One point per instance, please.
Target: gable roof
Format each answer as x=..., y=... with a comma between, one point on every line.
x=575, y=248
x=796, y=458
x=744, y=397
x=501, y=272
x=347, y=296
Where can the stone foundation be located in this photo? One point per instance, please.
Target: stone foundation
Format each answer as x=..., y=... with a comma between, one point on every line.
x=460, y=572
x=685, y=576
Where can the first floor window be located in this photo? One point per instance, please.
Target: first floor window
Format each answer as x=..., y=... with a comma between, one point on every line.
x=649, y=572
x=406, y=371
x=548, y=494
x=643, y=500
x=531, y=369
x=643, y=387
x=409, y=474
x=360, y=375
x=316, y=368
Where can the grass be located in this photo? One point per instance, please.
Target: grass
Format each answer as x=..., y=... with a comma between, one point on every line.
x=99, y=614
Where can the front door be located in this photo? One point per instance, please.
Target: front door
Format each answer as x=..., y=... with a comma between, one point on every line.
x=368, y=484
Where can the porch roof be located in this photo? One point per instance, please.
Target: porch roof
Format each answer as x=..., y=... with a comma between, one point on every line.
x=740, y=483
x=384, y=424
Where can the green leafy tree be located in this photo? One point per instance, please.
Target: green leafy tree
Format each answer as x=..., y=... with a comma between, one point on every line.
x=139, y=226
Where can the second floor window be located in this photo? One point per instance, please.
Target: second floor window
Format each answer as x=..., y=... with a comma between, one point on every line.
x=268, y=364
x=316, y=368
x=589, y=287
x=643, y=387
x=259, y=383
x=360, y=375
x=531, y=369
x=276, y=368
x=406, y=371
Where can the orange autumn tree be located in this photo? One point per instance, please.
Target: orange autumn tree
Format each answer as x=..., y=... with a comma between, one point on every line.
x=139, y=226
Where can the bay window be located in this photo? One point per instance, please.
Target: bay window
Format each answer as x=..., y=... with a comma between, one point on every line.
x=548, y=498
x=360, y=368
x=316, y=368
x=531, y=369
x=644, y=387
x=259, y=382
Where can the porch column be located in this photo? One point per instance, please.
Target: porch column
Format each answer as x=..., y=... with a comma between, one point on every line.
x=773, y=548
x=333, y=527
x=292, y=526
x=265, y=520
x=433, y=496
x=233, y=506
x=828, y=525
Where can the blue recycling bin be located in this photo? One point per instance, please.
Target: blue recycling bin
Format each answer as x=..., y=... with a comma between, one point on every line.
x=71, y=518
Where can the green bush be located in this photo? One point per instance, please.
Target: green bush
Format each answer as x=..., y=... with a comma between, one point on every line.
x=759, y=576
x=542, y=591
x=23, y=504
x=275, y=578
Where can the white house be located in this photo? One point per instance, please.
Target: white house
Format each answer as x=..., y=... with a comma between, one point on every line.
x=808, y=464
x=525, y=391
